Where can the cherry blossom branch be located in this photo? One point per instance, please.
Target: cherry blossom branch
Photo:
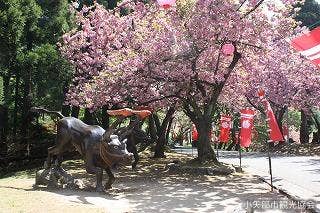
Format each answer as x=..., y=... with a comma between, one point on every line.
x=241, y=4
x=261, y=110
x=159, y=99
x=253, y=9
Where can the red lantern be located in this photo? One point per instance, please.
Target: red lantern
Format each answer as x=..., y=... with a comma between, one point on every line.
x=228, y=49
x=120, y=112
x=166, y=4
x=142, y=113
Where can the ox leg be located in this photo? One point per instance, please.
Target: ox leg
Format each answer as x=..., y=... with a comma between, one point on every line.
x=92, y=169
x=99, y=175
x=111, y=179
x=49, y=158
x=57, y=150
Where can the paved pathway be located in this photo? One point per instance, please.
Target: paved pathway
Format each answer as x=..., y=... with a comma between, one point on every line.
x=297, y=175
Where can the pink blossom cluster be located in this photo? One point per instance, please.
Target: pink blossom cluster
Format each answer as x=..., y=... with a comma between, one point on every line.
x=159, y=57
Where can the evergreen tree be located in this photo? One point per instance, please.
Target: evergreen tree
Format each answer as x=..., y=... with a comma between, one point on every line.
x=309, y=14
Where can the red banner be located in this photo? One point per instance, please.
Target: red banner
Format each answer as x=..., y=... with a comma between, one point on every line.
x=225, y=126
x=274, y=131
x=308, y=45
x=194, y=133
x=246, y=121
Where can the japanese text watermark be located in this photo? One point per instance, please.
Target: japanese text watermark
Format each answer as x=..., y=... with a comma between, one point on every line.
x=278, y=204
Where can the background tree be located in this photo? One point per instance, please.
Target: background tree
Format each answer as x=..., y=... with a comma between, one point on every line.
x=309, y=14
x=32, y=69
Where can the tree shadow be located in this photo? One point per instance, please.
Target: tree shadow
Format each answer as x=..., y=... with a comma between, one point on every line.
x=151, y=188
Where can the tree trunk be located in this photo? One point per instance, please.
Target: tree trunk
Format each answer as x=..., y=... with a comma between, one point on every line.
x=316, y=135
x=75, y=111
x=3, y=136
x=65, y=110
x=6, y=97
x=168, y=131
x=205, y=151
x=160, y=145
x=88, y=117
x=304, y=129
x=15, y=109
x=279, y=117
x=105, y=118
x=152, y=128
x=26, y=105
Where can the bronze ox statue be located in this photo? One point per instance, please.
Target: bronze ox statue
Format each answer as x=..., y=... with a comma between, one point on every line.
x=100, y=149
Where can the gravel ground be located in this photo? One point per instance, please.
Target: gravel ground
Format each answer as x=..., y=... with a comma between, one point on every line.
x=149, y=189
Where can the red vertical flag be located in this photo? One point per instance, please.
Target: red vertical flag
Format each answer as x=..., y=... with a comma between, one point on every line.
x=274, y=131
x=246, y=121
x=195, y=135
x=308, y=45
x=225, y=126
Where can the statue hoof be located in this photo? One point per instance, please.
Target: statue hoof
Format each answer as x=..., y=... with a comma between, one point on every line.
x=99, y=189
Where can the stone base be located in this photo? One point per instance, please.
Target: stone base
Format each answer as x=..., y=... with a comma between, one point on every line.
x=57, y=178
x=218, y=170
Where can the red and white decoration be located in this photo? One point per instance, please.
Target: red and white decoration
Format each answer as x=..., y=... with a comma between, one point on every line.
x=308, y=45
x=246, y=121
x=166, y=4
x=274, y=131
x=225, y=126
x=194, y=132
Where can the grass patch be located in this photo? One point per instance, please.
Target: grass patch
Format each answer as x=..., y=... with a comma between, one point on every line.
x=30, y=173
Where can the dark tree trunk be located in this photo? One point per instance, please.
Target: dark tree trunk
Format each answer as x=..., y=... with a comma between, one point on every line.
x=279, y=117
x=304, y=129
x=105, y=120
x=5, y=118
x=168, y=131
x=152, y=128
x=160, y=144
x=205, y=151
x=88, y=117
x=3, y=135
x=26, y=105
x=316, y=135
x=75, y=111
x=65, y=110
x=16, y=100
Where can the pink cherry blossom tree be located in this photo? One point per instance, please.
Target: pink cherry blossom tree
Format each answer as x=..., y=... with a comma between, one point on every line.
x=161, y=57
x=289, y=80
